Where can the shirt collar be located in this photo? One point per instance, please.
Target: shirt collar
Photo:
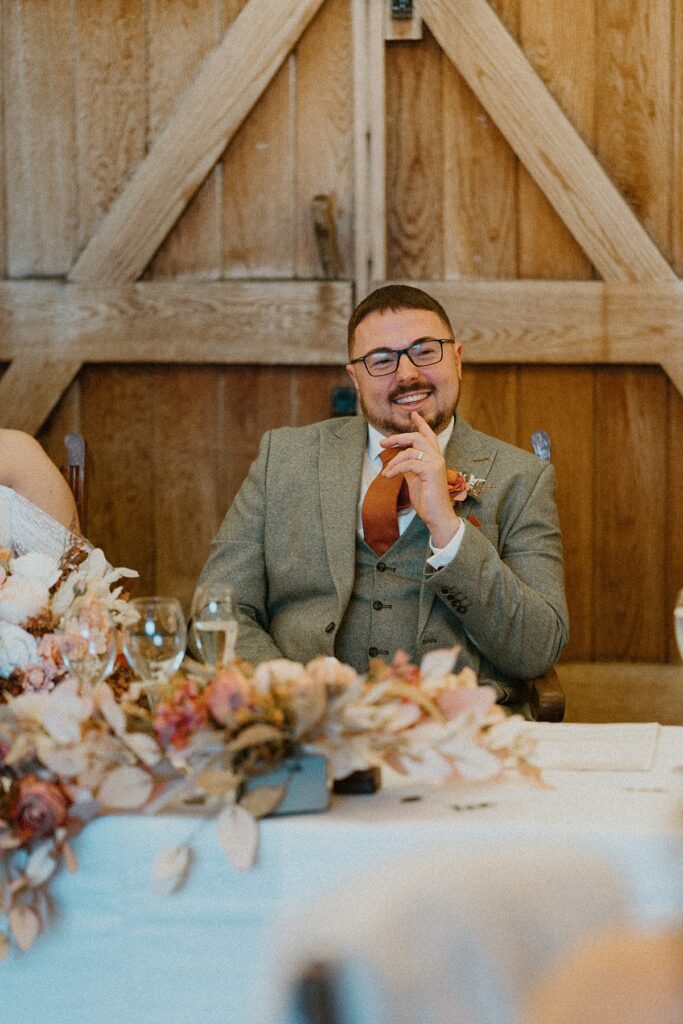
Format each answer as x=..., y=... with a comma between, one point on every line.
x=374, y=437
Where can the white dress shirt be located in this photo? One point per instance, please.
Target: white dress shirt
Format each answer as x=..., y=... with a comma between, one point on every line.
x=372, y=465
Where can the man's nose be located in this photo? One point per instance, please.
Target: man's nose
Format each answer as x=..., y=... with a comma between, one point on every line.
x=406, y=370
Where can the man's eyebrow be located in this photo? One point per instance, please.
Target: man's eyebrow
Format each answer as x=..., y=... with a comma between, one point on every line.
x=385, y=348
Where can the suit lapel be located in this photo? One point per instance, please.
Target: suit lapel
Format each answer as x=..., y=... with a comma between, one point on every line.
x=342, y=447
x=469, y=452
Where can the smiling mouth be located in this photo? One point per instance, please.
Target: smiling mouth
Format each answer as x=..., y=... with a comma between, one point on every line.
x=411, y=398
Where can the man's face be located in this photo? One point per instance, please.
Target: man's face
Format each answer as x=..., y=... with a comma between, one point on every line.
x=433, y=391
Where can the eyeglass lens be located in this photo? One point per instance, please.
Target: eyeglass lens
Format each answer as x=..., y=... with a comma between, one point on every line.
x=422, y=353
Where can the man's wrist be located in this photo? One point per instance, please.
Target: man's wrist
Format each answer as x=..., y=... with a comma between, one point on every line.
x=443, y=534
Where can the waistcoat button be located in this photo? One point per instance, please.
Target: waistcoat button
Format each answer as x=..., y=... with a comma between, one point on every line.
x=373, y=652
x=381, y=567
x=377, y=605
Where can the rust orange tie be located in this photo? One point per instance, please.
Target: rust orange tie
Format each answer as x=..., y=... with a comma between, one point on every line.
x=383, y=499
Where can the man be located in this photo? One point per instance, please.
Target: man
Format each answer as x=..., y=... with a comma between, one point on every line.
x=484, y=573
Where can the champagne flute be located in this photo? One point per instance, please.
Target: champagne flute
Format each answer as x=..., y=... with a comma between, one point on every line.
x=154, y=643
x=87, y=638
x=214, y=623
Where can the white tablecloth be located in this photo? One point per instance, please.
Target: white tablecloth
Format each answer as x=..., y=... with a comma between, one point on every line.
x=120, y=953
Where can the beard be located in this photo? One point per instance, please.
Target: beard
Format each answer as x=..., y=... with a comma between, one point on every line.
x=388, y=425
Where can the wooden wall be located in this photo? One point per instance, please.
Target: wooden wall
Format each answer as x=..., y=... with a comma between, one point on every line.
x=86, y=87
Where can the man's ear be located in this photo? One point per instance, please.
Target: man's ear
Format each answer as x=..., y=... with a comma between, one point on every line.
x=351, y=370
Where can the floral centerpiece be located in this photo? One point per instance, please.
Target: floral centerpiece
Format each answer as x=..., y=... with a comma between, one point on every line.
x=70, y=752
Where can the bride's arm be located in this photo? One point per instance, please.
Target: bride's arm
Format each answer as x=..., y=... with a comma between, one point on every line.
x=26, y=468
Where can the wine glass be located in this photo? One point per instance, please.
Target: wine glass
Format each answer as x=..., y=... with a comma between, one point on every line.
x=214, y=623
x=154, y=643
x=678, y=621
x=87, y=638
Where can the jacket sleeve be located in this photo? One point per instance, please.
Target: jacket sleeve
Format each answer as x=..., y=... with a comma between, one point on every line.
x=238, y=558
x=510, y=600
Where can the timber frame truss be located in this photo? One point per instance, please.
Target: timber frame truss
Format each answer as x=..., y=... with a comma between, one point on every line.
x=102, y=313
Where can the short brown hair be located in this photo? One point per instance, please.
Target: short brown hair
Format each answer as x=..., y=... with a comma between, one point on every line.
x=394, y=297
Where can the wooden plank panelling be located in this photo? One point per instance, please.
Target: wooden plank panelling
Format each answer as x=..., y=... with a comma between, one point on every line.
x=181, y=36
x=229, y=83
x=110, y=103
x=188, y=435
x=324, y=134
x=630, y=517
x=561, y=403
x=559, y=40
x=121, y=496
x=3, y=215
x=39, y=138
x=545, y=140
x=673, y=574
x=488, y=399
x=634, y=115
x=258, y=186
x=414, y=160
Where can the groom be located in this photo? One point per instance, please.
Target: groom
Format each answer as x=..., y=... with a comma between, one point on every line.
x=323, y=561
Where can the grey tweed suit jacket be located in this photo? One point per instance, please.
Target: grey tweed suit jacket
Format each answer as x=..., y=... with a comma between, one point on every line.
x=287, y=545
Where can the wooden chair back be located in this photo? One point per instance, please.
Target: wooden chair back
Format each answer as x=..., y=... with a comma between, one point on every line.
x=74, y=472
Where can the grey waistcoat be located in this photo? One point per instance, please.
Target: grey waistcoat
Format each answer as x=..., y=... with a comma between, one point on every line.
x=382, y=614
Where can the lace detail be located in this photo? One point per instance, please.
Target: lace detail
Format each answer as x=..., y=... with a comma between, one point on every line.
x=24, y=527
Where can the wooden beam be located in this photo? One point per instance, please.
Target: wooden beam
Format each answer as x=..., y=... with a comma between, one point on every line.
x=224, y=322
x=230, y=82
x=563, y=166
x=30, y=388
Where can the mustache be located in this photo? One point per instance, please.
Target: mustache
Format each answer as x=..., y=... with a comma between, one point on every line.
x=408, y=389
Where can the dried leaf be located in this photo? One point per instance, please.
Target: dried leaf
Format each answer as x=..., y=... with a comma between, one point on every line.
x=238, y=836
x=69, y=857
x=66, y=762
x=41, y=864
x=171, y=868
x=125, y=788
x=4, y=945
x=111, y=711
x=217, y=782
x=263, y=800
x=25, y=926
x=22, y=748
x=439, y=663
x=146, y=747
x=253, y=736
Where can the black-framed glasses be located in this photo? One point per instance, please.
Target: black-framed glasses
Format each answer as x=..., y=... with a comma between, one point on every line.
x=422, y=352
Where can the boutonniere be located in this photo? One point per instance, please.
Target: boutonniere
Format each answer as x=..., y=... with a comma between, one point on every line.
x=461, y=486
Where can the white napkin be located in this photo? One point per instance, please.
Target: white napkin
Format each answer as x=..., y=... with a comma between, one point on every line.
x=587, y=747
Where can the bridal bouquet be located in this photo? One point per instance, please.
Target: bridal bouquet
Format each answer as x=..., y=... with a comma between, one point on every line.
x=67, y=755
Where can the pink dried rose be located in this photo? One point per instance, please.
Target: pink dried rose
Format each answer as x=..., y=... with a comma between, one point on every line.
x=226, y=694
x=180, y=715
x=37, y=807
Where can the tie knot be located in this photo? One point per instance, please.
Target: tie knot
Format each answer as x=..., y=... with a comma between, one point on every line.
x=387, y=454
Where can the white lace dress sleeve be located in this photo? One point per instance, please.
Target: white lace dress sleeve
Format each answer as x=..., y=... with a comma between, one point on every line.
x=24, y=527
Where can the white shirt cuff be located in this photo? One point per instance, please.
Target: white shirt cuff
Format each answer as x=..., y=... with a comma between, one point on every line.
x=442, y=556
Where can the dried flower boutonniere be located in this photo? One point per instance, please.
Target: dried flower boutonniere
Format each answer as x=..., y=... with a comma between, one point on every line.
x=461, y=487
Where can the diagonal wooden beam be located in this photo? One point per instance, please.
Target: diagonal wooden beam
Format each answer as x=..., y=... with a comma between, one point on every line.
x=228, y=85
x=31, y=387
x=499, y=74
